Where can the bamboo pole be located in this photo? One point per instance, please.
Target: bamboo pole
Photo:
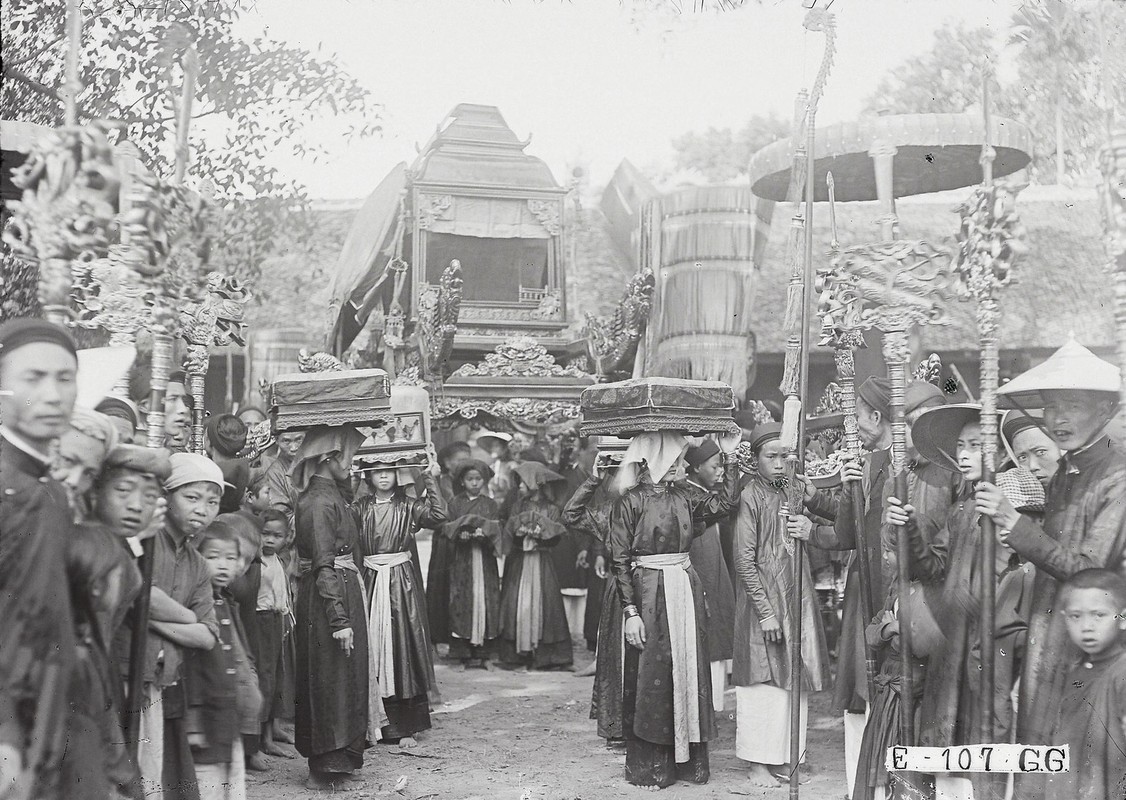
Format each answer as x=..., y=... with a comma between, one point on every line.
x=987, y=318
x=73, y=84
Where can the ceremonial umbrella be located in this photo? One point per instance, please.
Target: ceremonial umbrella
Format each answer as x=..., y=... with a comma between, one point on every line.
x=931, y=153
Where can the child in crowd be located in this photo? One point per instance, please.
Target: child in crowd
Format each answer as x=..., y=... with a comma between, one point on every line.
x=263, y=596
x=222, y=689
x=476, y=539
x=534, y=629
x=181, y=619
x=441, y=553
x=765, y=622
x=258, y=494
x=1092, y=716
x=402, y=667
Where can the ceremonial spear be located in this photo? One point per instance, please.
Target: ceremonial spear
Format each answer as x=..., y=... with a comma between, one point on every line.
x=989, y=243
x=795, y=376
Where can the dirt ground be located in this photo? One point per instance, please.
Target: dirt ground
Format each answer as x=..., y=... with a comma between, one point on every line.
x=502, y=735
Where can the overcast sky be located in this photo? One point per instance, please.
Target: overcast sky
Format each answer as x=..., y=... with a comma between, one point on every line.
x=591, y=84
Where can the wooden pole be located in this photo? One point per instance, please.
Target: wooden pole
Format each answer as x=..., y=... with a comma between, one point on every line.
x=161, y=368
x=987, y=318
x=73, y=85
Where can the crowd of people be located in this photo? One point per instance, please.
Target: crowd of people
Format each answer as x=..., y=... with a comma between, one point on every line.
x=288, y=602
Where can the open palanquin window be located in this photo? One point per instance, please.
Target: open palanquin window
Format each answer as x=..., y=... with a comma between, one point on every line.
x=509, y=249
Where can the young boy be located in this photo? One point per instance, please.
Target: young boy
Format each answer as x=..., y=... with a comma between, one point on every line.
x=182, y=618
x=264, y=607
x=1092, y=716
x=218, y=698
x=259, y=496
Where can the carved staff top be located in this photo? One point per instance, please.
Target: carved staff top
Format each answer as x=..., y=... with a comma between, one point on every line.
x=900, y=283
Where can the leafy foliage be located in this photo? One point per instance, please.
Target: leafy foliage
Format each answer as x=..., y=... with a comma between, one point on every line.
x=1067, y=57
x=721, y=154
x=944, y=80
x=251, y=99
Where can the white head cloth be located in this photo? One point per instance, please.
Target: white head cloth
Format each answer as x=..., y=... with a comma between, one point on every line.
x=659, y=451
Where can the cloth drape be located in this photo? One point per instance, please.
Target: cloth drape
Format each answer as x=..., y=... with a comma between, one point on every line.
x=477, y=636
x=658, y=451
x=379, y=620
x=682, y=642
x=529, y=608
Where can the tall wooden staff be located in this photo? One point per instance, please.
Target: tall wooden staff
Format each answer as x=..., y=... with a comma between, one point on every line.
x=1112, y=160
x=216, y=321
x=840, y=311
x=988, y=245
x=902, y=284
x=795, y=376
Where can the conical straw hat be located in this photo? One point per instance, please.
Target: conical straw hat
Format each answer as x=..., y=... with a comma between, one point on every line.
x=1072, y=367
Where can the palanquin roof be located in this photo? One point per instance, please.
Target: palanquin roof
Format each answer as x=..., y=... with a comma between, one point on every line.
x=474, y=147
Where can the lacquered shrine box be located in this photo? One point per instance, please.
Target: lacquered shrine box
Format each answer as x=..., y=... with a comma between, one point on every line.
x=360, y=397
x=642, y=405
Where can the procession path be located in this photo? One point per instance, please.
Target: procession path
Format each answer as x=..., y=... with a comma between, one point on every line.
x=501, y=735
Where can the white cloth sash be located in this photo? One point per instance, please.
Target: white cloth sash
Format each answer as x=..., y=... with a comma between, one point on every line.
x=477, y=634
x=529, y=603
x=380, y=641
x=680, y=608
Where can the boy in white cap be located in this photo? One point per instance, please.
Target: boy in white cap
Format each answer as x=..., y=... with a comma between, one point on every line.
x=182, y=615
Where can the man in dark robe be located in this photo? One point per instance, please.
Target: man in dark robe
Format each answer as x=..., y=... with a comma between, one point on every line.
x=1084, y=520
x=331, y=638
x=38, y=366
x=850, y=691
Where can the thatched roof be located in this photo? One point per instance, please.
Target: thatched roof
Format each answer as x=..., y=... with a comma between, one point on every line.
x=1059, y=286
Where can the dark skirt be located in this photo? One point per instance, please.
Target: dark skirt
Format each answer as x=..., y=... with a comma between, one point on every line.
x=647, y=763
x=882, y=731
x=462, y=650
x=564, y=558
x=178, y=773
x=461, y=592
x=595, y=592
x=285, y=686
x=268, y=657
x=438, y=589
x=711, y=565
x=405, y=717
x=332, y=688
x=554, y=649
x=411, y=645
x=606, y=699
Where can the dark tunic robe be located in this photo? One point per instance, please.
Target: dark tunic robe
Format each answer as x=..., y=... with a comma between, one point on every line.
x=711, y=565
x=850, y=690
x=332, y=688
x=949, y=568
x=1084, y=526
x=390, y=528
x=764, y=561
x=438, y=576
x=37, y=637
x=468, y=514
x=1093, y=721
x=588, y=511
x=554, y=649
x=657, y=520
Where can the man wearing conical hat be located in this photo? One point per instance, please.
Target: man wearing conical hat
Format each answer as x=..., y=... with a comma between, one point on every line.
x=1084, y=522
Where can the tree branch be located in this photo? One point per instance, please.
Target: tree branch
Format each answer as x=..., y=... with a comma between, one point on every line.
x=19, y=76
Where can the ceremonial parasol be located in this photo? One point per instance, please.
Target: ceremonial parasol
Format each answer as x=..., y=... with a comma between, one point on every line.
x=933, y=153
